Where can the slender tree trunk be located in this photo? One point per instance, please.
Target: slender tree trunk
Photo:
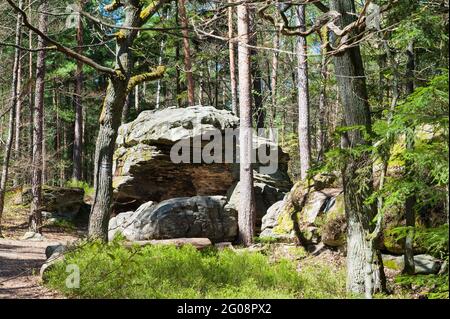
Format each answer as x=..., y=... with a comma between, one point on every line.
x=78, y=132
x=44, y=151
x=274, y=78
x=231, y=50
x=411, y=200
x=304, y=137
x=256, y=76
x=17, y=126
x=35, y=218
x=30, y=89
x=322, y=139
x=187, y=52
x=116, y=92
x=12, y=114
x=364, y=270
x=136, y=97
x=246, y=216
x=158, y=88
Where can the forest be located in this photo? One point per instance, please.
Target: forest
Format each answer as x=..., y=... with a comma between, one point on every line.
x=170, y=149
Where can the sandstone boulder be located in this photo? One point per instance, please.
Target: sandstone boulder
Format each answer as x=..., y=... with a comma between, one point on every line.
x=300, y=214
x=57, y=202
x=185, y=217
x=144, y=171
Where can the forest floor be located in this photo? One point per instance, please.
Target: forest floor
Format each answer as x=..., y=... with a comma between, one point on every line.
x=20, y=260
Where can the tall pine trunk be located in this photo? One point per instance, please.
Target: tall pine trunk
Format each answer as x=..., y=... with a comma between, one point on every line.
x=35, y=218
x=12, y=114
x=231, y=49
x=411, y=200
x=186, y=52
x=246, y=214
x=364, y=264
x=304, y=137
x=322, y=136
x=78, y=130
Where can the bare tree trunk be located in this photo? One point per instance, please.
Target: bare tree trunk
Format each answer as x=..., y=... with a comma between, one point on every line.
x=274, y=78
x=30, y=88
x=110, y=118
x=158, y=89
x=17, y=153
x=136, y=97
x=364, y=265
x=44, y=151
x=304, y=137
x=322, y=139
x=35, y=218
x=256, y=76
x=12, y=114
x=231, y=49
x=411, y=200
x=187, y=52
x=78, y=132
x=246, y=216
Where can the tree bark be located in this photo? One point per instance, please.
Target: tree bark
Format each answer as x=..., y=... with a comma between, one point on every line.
x=304, y=137
x=322, y=139
x=274, y=78
x=78, y=131
x=231, y=50
x=246, y=215
x=186, y=52
x=35, y=217
x=110, y=118
x=12, y=114
x=256, y=76
x=364, y=270
x=411, y=200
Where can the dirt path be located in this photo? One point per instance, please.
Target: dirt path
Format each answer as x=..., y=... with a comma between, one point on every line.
x=20, y=261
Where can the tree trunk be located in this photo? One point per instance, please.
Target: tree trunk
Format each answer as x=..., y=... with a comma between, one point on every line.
x=304, y=137
x=12, y=114
x=256, y=76
x=231, y=49
x=110, y=118
x=17, y=126
x=364, y=271
x=30, y=89
x=246, y=215
x=411, y=200
x=186, y=52
x=109, y=124
x=35, y=218
x=274, y=78
x=322, y=139
x=78, y=132
x=158, y=88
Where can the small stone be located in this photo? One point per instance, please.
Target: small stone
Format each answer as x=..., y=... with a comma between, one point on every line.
x=32, y=236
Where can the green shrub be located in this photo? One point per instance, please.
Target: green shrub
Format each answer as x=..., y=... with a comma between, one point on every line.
x=430, y=286
x=112, y=271
x=88, y=189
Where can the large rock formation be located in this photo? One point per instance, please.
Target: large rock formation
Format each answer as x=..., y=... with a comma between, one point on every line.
x=57, y=202
x=199, y=216
x=305, y=214
x=144, y=171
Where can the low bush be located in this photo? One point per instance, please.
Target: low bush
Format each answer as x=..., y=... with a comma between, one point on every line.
x=113, y=271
